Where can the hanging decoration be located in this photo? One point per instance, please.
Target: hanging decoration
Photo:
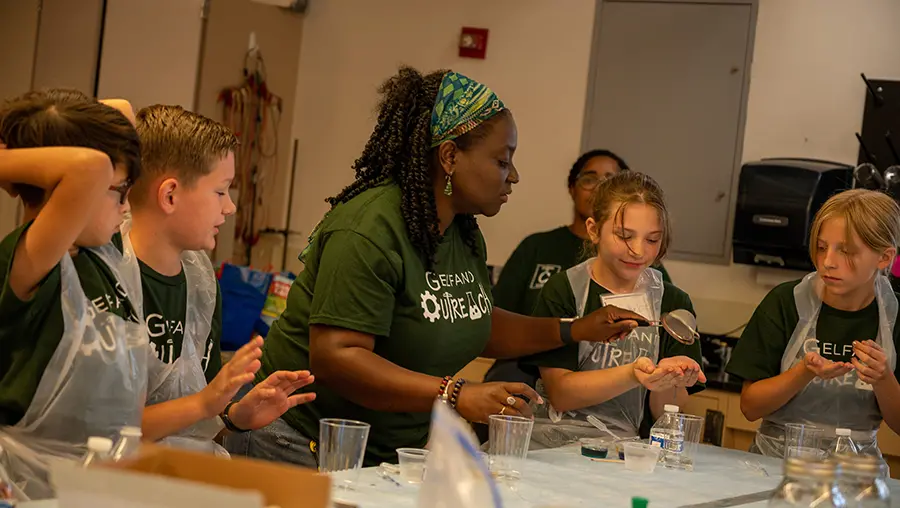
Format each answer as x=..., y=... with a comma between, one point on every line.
x=253, y=112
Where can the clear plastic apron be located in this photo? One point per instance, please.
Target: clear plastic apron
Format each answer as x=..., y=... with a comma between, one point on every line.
x=95, y=383
x=844, y=402
x=185, y=375
x=621, y=414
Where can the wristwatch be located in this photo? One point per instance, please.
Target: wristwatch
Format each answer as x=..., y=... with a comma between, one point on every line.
x=227, y=421
x=565, y=330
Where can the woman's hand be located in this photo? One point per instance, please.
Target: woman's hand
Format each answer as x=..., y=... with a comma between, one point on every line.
x=870, y=362
x=824, y=368
x=654, y=377
x=689, y=369
x=268, y=400
x=606, y=324
x=477, y=401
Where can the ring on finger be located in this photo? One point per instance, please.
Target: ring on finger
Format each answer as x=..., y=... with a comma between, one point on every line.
x=502, y=410
x=510, y=401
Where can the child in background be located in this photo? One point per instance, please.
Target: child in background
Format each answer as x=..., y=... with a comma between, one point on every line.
x=629, y=232
x=177, y=207
x=822, y=350
x=72, y=352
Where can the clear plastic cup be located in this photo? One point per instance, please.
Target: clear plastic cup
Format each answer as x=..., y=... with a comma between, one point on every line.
x=412, y=464
x=641, y=457
x=620, y=446
x=509, y=439
x=342, y=446
x=802, y=440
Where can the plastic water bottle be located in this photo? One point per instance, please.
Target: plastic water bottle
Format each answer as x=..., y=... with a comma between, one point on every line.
x=843, y=445
x=98, y=449
x=667, y=434
x=128, y=444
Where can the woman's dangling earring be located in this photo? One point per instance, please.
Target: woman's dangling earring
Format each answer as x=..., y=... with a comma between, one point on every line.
x=448, y=189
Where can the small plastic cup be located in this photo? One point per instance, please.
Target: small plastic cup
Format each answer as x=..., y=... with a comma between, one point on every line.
x=412, y=464
x=597, y=447
x=641, y=457
x=620, y=446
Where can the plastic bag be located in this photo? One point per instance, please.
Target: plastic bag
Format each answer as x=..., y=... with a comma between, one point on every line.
x=455, y=474
x=94, y=385
x=244, y=292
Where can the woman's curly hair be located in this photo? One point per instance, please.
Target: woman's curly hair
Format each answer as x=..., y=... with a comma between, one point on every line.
x=399, y=150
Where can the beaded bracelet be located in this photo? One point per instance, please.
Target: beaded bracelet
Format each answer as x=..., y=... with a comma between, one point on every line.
x=454, y=397
x=445, y=383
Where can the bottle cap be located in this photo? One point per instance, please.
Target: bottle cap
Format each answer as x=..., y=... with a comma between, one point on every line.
x=99, y=444
x=130, y=432
x=639, y=502
x=842, y=432
x=670, y=408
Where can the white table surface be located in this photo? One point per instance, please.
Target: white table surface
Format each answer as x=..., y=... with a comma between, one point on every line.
x=562, y=478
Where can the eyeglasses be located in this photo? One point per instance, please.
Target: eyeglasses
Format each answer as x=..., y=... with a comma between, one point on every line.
x=588, y=181
x=123, y=189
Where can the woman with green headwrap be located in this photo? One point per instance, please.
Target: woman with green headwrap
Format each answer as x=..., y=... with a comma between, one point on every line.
x=395, y=295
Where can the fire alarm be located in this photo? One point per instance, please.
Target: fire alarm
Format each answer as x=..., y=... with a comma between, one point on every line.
x=473, y=42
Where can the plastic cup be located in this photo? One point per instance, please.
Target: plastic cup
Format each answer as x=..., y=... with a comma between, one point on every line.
x=690, y=427
x=598, y=447
x=620, y=446
x=804, y=441
x=342, y=446
x=509, y=439
x=412, y=464
x=641, y=457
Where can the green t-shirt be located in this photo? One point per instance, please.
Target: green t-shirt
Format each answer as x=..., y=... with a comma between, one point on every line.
x=362, y=273
x=531, y=265
x=558, y=300
x=165, y=307
x=31, y=330
x=758, y=352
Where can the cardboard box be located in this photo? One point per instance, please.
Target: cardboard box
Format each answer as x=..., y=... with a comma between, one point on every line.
x=173, y=478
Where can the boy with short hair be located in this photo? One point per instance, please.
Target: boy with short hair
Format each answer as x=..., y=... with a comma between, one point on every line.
x=69, y=340
x=177, y=208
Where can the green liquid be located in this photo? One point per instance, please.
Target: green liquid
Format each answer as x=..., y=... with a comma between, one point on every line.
x=594, y=452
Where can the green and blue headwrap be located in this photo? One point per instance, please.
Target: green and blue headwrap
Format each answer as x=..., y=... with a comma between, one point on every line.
x=461, y=105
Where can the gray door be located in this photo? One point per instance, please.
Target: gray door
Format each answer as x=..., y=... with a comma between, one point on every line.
x=668, y=94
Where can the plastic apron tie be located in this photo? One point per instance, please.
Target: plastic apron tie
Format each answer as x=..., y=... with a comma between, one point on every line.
x=94, y=384
x=844, y=402
x=185, y=375
x=622, y=414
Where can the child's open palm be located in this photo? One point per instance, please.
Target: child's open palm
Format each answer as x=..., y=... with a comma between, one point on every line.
x=824, y=368
x=268, y=400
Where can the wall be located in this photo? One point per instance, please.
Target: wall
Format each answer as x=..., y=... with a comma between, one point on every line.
x=278, y=33
x=64, y=57
x=146, y=63
x=18, y=29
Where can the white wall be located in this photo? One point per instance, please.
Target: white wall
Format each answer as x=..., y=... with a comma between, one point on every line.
x=806, y=99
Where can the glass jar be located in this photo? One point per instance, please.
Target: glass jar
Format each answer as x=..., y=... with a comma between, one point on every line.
x=863, y=481
x=808, y=482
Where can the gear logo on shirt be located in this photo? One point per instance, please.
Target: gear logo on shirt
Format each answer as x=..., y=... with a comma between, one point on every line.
x=429, y=301
x=542, y=273
x=454, y=296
